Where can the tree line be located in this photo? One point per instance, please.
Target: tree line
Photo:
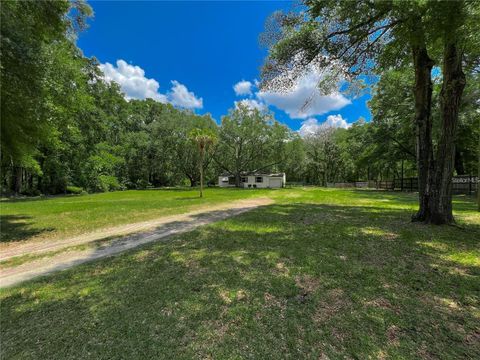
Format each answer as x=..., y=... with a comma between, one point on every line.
x=65, y=129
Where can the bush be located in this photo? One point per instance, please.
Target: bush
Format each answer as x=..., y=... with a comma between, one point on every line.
x=31, y=192
x=108, y=183
x=74, y=190
x=142, y=184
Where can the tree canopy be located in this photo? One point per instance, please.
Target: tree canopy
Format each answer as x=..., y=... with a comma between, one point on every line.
x=347, y=41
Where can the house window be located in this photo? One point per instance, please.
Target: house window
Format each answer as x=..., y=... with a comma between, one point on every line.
x=259, y=179
x=244, y=180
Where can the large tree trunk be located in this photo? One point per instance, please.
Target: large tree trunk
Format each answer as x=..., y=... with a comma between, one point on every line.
x=237, y=179
x=459, y=168
x=478, y=184
x=423, y=122
x=193, y=180
x=17, y=179
x=450, y=99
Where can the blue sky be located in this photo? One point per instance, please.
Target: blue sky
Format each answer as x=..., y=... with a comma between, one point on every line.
x=193, y=53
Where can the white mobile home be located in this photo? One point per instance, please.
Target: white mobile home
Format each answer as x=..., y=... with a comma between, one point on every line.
x=254, y=180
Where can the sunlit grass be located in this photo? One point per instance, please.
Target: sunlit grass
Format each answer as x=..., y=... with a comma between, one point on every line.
x=61, y=216
x=319, y=274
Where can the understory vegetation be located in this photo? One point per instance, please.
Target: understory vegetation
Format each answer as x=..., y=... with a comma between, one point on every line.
x=319, y=274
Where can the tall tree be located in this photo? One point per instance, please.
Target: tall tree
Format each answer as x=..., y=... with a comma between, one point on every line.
x=186, y=150
x=458, y=33
x=348, y=40
x=249, y=140
x=204, y=140
x=29, y=30
x=323, y=155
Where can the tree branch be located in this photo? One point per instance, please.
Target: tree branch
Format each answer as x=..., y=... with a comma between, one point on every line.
x=402, y=147
x=264, y=167
x=358, y=26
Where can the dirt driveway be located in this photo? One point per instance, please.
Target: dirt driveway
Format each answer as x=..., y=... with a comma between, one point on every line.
x=112, y=240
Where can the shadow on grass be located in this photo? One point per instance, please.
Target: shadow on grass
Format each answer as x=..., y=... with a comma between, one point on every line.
x=461, y=202
x=189, y=198
x=18, y=227
x=38, y=198
x=283, y=281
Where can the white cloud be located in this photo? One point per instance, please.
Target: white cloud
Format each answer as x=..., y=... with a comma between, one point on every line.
x=243, y=88
x=180, y=96
x=305, y=98
x=251, y=104
x=132, y=81
x=336, y=121
x=311, y=125
x=136, y=85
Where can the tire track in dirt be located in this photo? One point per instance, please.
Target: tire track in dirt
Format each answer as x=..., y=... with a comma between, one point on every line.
x=128, y=237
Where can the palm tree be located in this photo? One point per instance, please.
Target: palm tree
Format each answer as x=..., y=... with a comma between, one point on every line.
x=205, y=139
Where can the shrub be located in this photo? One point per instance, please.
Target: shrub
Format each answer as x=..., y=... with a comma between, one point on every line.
x=108, y=183
x=142, y=184
x=31, y=192
x=74, y=190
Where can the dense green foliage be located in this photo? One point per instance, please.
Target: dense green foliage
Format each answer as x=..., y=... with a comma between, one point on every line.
x=319, y=274
x=377, y=149
x=252, y=141
x=79, y=130
x=64, y=127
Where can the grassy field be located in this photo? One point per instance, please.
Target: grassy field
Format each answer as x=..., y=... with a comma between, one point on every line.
x=51, y=217
x=320, y=274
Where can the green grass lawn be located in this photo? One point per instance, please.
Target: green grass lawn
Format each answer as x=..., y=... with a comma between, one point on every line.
x=60, y=216
x=320, y=274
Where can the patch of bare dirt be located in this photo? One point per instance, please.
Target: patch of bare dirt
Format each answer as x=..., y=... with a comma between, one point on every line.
x=281, y=267
x=307, y=283
x=214, y=212
x=424, y=353
x=272, y=301
x=383, y=303
x=473, y=338
x=144, y=233
x=334, y=303
x=393, y=335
